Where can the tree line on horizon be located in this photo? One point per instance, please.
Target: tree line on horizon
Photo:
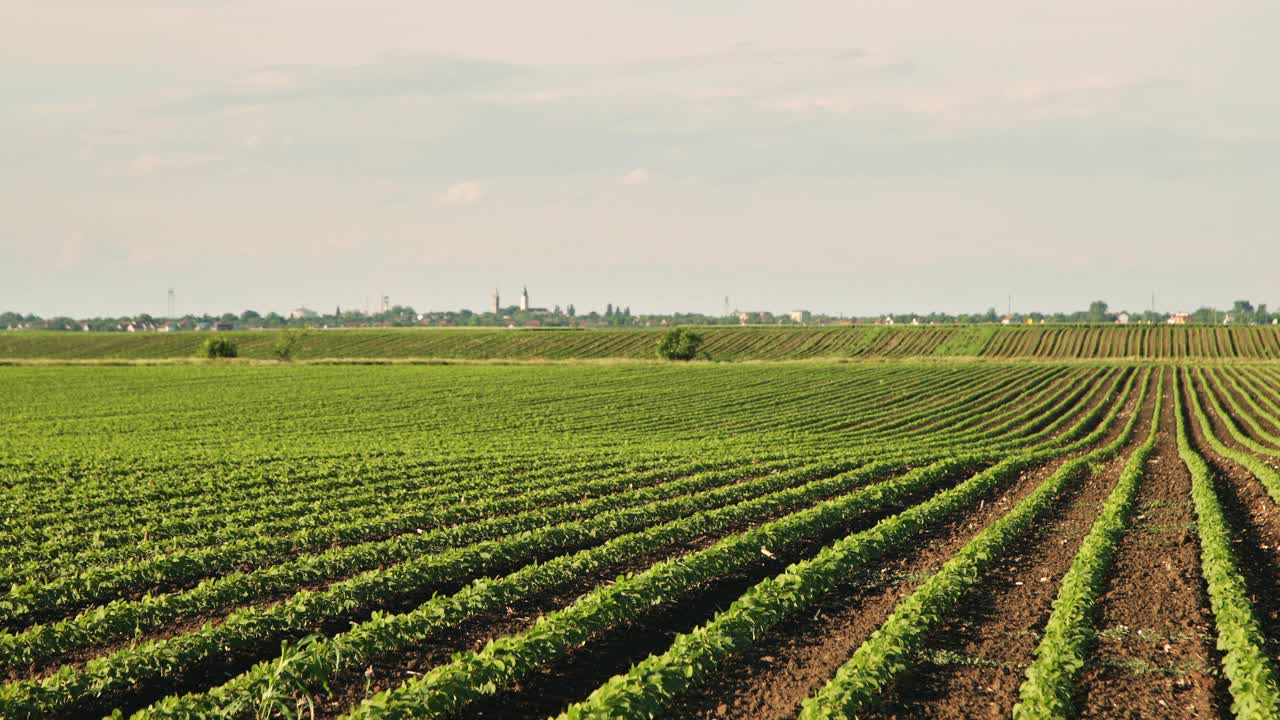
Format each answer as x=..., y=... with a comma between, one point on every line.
x=1242, y=312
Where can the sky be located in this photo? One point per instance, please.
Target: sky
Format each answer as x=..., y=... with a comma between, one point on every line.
x=846, y=157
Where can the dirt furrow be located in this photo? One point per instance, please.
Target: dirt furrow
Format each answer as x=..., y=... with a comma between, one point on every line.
x=576, y=675
x=794, y=660
x=1255, y=519
x=1154, y=656
x=352, y=687
x=975, y=662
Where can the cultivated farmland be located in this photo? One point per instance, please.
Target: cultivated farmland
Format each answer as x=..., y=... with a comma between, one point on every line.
x=881, y=540
x=723, y=343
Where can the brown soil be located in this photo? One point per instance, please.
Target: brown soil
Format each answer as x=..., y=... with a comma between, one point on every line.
x=177, y=585
x=974, y=664
x=1155, y=654
x=580, y=672
x=1266, y=422
x=575, y=675
x=1255, y=521
x=351, y=688
x=191, y=623
x=794, y=660
x=1219, y=428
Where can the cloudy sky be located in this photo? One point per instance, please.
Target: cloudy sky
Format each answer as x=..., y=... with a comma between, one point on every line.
x=844, y=156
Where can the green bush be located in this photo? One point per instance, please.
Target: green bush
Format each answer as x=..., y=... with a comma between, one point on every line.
x=287, y=344
x=679, y=344
x=218, y=347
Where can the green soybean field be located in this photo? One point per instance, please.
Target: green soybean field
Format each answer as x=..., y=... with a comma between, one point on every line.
x=893, y=539
x=723, y=343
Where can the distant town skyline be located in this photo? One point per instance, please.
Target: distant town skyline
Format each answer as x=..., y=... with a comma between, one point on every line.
x=523, y=303
x=844, y=157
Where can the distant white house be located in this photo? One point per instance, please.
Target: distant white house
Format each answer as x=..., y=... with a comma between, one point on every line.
x=800, y=316
x=1123, y=318
x=1179, y=318
x=303, y=313
x=746, y=317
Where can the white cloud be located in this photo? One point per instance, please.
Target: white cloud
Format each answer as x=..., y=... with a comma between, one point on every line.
x=148, y=163
x=819, y=103
x=639, y=176
x=139, y=256
x=56, y=109
x=1093, y=84
x=469, y=192
x=269, y=79
x=72, y=250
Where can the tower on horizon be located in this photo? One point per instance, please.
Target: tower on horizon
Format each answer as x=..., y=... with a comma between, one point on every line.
x=497, y=302
x=524, y=299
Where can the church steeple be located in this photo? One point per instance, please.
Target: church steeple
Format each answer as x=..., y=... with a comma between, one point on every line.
x=497, y=302
x=524, y=298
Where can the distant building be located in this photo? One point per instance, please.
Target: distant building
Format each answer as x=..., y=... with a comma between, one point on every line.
x=1179, y=318
x=497, y=302
x=303, y=313
x=800, y=316
x=524, y=299
x=1123, y=318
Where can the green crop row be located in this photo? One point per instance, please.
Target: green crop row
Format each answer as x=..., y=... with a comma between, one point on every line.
x=122, y=618
x=1233, y=383
x=176, y=568
x=887, y=653
x=1060, y=656
x=654, y=682
x=256, y=627
x=1267, y=475
x=447, y=688
x=331, y=519
x=1249, y=671
x=263, y=547
x=471, y=675
x=307, y=667
x=722, y=343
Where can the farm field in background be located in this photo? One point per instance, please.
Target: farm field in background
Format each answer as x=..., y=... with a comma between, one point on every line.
x=880, y=540
x=1158, y=342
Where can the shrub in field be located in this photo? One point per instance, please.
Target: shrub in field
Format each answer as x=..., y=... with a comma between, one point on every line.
x=218, y=347
x=287, y=344
x=679, y=344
